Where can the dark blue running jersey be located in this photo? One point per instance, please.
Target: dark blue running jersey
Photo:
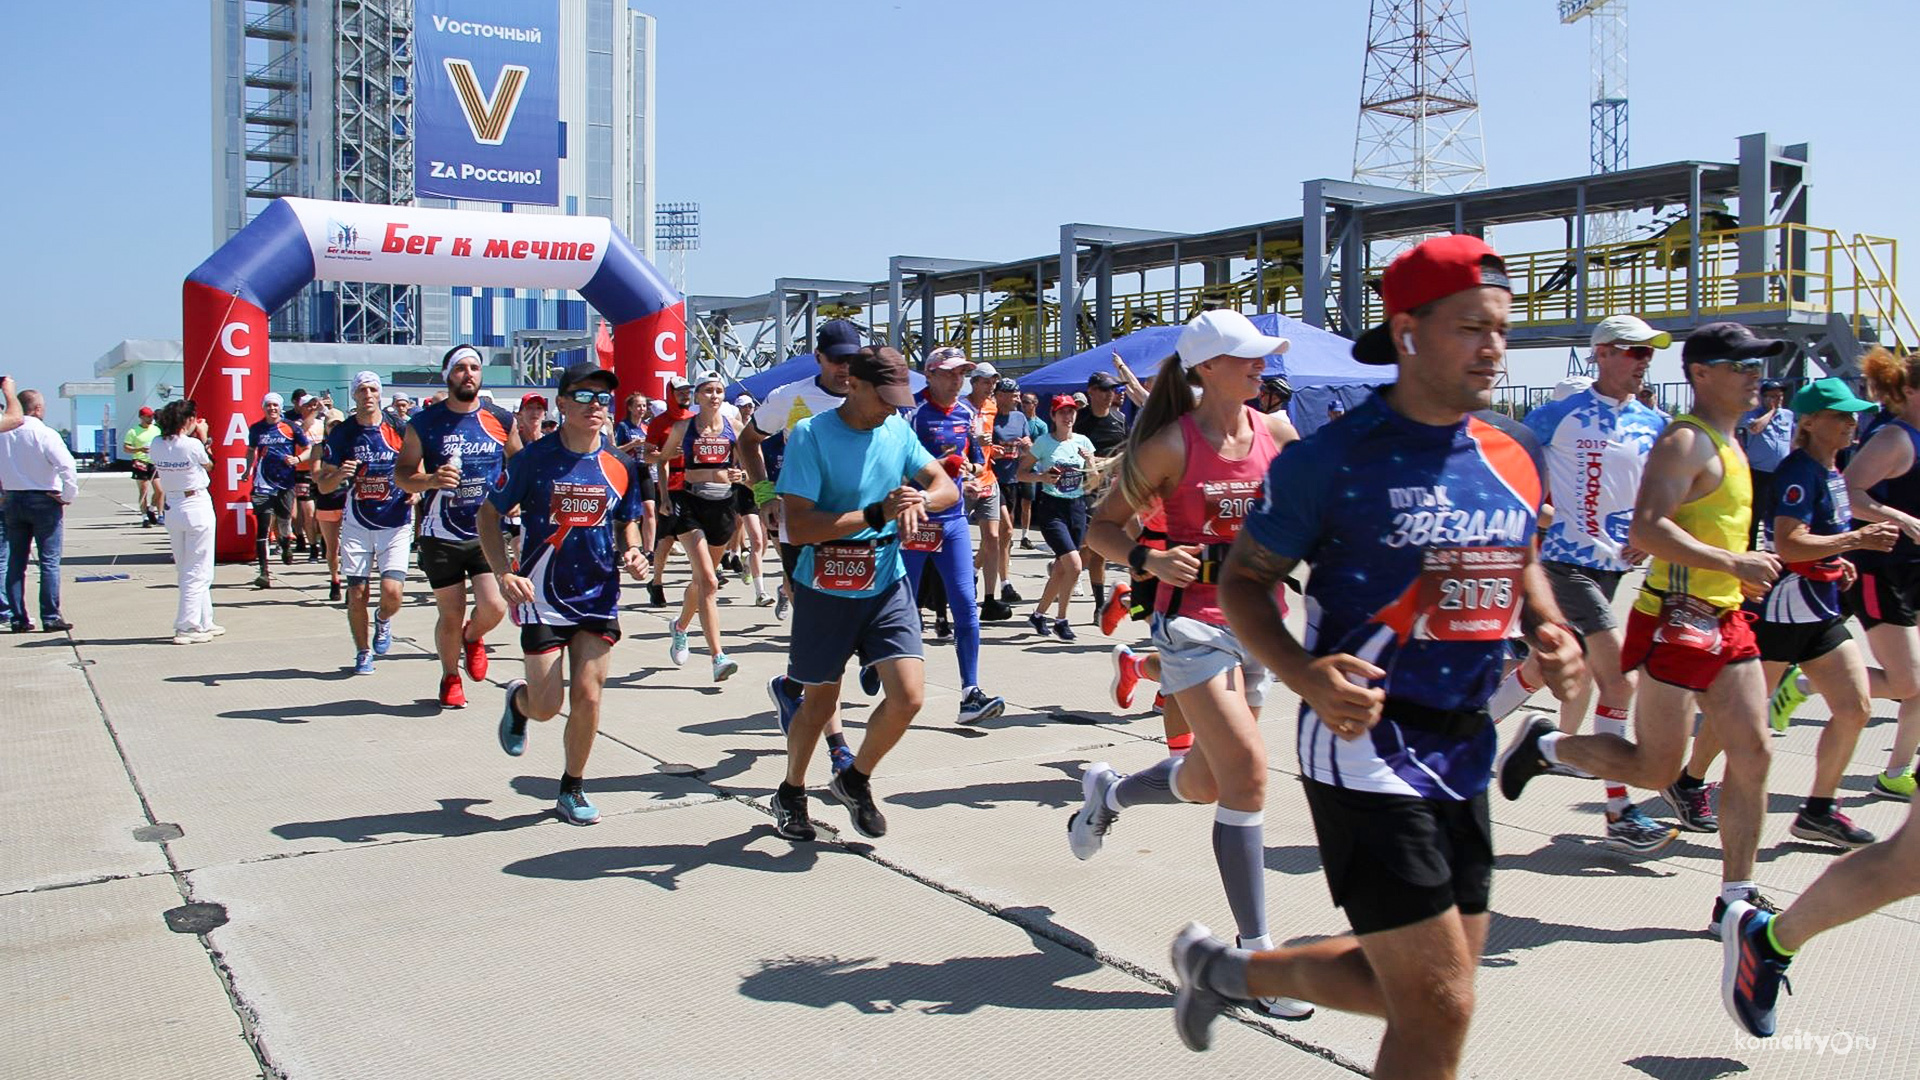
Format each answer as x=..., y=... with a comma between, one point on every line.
x=480, y=437
x=1417, y=536
x=375, y=501
x=274, y=442
x=1902, y=493
x=1805, y=490
x=946, y=432
x=570, y=504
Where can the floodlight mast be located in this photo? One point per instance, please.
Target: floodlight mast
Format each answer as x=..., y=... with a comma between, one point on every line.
x=1607, y=140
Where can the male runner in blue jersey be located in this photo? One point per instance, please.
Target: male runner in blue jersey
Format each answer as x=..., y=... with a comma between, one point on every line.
x=275, y=446
x=376, y=529
x=947, y=426
x=579, y=506
x=1416, y=512
x=454, y=453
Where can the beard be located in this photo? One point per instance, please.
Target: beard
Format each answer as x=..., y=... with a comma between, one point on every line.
x=464, y=394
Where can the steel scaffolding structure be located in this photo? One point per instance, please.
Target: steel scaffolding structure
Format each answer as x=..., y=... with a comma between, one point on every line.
x=1607, y=142
x=1419, y=124
x=373, y=141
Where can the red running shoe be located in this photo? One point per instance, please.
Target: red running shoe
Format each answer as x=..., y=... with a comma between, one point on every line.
x=1126, y=675
x=453, y=694
x=1118, y=605
x=476, y=655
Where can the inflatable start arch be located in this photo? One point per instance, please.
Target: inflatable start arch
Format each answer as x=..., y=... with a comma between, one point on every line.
x=297, y=241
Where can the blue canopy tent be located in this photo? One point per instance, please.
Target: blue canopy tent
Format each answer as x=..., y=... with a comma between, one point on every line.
x=793, y=370
x=1319, y=364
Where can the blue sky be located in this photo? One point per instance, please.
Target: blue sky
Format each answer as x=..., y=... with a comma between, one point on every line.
x=821, y=138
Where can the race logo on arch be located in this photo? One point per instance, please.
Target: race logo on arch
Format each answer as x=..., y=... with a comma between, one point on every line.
x=470, y=142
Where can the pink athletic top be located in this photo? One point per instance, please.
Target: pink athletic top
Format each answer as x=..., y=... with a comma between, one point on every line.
x=1213, y=499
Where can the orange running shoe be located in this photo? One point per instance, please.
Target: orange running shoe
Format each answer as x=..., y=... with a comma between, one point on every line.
x=1126, y=675
x=1118, y=605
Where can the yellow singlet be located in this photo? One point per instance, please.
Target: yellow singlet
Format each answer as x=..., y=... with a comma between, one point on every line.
x=1721, y=518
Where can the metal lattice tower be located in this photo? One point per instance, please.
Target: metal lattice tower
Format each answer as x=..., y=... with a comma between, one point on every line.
x=1607, y=144
x=1419, y=109
x=373, y=141
x=676, y=231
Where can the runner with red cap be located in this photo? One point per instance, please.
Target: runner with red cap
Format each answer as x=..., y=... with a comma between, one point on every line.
x=146, y=482
x=1416, y=511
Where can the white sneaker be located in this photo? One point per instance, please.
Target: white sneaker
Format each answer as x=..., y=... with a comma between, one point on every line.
x=760, y=597
x=1087, y=828
x=192, y=637
x=213, y=630
x=1280, y=1008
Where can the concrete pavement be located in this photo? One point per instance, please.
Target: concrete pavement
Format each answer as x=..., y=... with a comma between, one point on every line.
x=386, y=894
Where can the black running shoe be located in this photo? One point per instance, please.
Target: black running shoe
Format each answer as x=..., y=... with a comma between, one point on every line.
x=656, y=595
x=790, y=813
x=855, y=792
x=1759, y=902
x=333, y=593
x=1522, y=760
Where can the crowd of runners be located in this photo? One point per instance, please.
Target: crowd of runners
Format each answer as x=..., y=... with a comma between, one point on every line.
x=1459, y=561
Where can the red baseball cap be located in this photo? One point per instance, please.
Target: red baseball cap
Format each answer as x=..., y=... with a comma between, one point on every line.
x=145, y=411
x=1434, y=269
x=1063, y=401
x=534, y=399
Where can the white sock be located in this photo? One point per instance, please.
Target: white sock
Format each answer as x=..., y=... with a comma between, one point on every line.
x=1512, y=693
x=1548, y=744
x=1735, y=890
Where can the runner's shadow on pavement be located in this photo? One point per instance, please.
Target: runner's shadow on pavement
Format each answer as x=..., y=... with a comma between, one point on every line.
x=301, y=714
x=271, y=674
x=1294, y=859
x=137, y=558
x=957, y=986
x=1515, y=933
x=1051, y=794
x=1662, y=1067
x=663, y=865
x=1581, y=855
x=664, y=785
x=455, y=817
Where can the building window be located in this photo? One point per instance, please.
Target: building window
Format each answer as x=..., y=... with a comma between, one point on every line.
x=129, y=382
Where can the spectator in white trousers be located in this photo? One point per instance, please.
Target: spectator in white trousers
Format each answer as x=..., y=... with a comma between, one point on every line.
x=180, y=458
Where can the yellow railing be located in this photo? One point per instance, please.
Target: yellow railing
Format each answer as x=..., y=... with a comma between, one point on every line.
x=1854, y=276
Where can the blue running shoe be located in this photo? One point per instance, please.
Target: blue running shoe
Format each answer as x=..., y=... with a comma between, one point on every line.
x=783, y=706
x=1750, y=977
x=382, y=636
x=513, y=725
x=363, y=663
x=841, y=757
x=870, y=681
x=1063, y=630
x=575, y=809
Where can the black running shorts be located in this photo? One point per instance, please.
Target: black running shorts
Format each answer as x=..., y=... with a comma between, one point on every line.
x=451, y=562
x=1393, y=860
x=536, y=638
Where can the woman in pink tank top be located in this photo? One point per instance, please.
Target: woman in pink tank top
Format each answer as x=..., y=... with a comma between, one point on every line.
x=1204, y=456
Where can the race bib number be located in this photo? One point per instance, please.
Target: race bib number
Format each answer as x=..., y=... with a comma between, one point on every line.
x=1227, y=503
x=1689, y=622
x=1070, y=481
x=1469, y=594
x=711, y=450
x=845, y=567
x=930, y=536
x=373, y=488
x=577, y=504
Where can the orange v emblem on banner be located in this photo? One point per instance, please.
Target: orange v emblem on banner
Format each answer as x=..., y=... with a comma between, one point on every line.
x=487, y=116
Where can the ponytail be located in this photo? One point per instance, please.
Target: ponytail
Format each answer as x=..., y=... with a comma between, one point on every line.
x=174, y=417
x=1889, y=377
x=1171, y=398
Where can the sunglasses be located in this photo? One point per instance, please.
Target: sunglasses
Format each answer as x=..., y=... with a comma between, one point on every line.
x=1638, y=352
x=590, y=397
x=1738, y=367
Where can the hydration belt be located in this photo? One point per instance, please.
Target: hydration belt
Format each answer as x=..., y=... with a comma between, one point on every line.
x=1212, y=558
x=1455, y=723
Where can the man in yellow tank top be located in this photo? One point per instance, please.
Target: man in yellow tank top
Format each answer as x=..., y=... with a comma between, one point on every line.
x=1687, y=629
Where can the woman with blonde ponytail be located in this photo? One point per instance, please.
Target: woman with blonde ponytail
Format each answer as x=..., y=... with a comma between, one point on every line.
x=1883, y=484
x=1202, y=453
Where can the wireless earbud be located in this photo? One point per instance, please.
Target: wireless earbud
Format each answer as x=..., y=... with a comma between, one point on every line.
x=1406, y=340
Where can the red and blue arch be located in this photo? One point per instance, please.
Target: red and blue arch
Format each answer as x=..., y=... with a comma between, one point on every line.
x=228, y=298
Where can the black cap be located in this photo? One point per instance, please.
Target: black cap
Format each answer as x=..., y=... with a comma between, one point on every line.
x=1007, y=386
x=587, y=371
x=838, y=337
x=1728, y=341
x=1104, y=381
x=886, y=369
x=1773, y=384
